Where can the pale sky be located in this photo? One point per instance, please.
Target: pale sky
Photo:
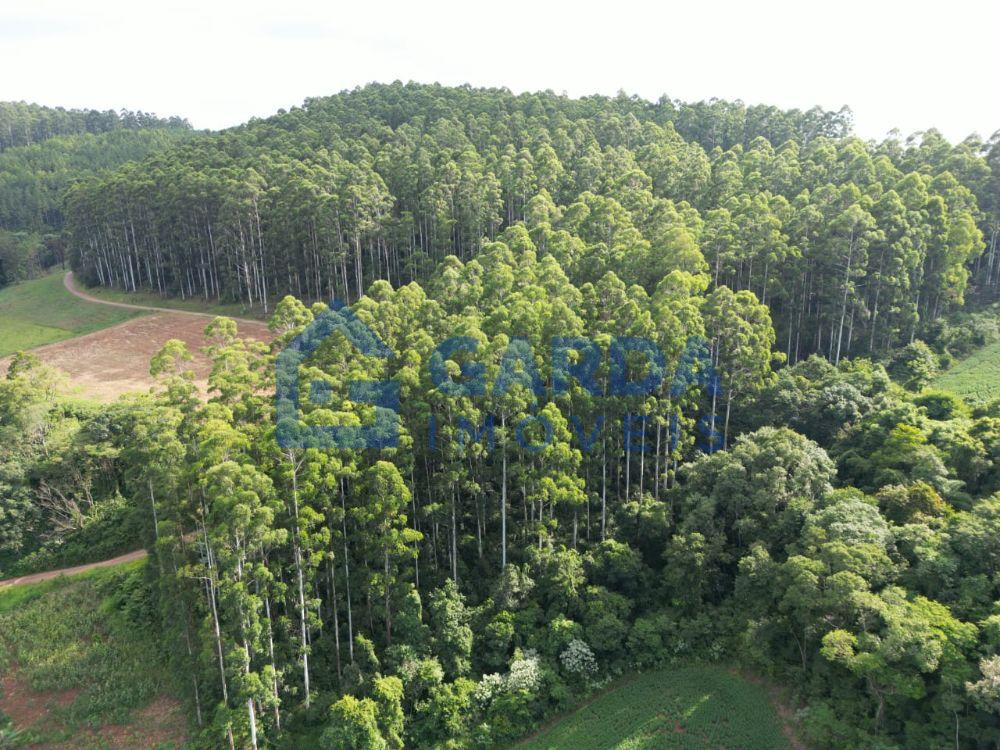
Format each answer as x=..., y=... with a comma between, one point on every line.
x=908, y=65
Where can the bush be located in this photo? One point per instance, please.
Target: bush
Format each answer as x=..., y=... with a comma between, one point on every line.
x=914, y=366
x=963, y=333
x=941, y=405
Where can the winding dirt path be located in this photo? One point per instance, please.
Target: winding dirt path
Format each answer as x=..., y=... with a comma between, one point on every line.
x=68, y=282
x=50, y=574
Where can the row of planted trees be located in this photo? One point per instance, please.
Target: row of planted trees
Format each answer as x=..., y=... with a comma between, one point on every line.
x=24, y=124
x=852, y=245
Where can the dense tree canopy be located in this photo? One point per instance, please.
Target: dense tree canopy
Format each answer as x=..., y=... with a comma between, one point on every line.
x=34, y=179
x=624, y=417
x=23, y=124
x=852, y=245
x=44, y=151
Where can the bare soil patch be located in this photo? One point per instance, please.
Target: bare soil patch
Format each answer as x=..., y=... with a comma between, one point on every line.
x=27, y=708
x=160, y=724
x=108, y=363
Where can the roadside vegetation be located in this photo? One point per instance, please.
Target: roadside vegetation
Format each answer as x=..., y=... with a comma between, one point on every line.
x=147, y=298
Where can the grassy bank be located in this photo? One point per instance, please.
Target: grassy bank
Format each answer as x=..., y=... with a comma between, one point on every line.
x=152, y=299
x=41, y=311
x=975, y=378
x=80, y=667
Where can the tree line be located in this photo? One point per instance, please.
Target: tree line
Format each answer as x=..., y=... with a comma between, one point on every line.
x=34, y=179
x=47, y=150
x=852, y=245
x=24, y=124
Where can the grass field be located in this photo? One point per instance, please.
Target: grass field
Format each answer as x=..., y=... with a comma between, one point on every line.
x=79, y=667
x=41, y=311
x=685, y=708
x=976, y=378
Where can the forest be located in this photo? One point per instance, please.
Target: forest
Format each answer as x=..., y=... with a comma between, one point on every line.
x=850, y=244
x=23, y=124
x=42, y=152
x=789, y=493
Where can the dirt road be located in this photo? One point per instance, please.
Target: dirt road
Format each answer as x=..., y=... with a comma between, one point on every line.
x=70, y=285
x=50, y=574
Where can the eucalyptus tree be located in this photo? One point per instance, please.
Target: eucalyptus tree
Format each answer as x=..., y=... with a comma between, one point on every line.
x=739, y=330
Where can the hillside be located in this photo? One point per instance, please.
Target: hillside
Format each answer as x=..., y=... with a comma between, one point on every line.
x=852, y=245
x=44, y=151
x=34, y=179
x=622, y=391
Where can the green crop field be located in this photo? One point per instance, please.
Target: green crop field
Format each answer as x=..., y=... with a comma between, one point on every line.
x=688, y=707
x=976, y=378
x=41, y=311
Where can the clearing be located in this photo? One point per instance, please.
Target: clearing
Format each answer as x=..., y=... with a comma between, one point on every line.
x=686, y=707
x=80, y=667
x=107, y=363
x=976, y=378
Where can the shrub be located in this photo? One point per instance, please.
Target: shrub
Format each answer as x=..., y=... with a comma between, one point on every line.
x=578, y=659
x=914, y=366
x=941, y=405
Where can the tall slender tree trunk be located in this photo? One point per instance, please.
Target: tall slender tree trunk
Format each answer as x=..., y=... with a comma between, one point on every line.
x=300, y=576
x=347, y=574
x=336, y=615
x=274, y=666
x=843, y=306
x=604, y=483
x=503, y=496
